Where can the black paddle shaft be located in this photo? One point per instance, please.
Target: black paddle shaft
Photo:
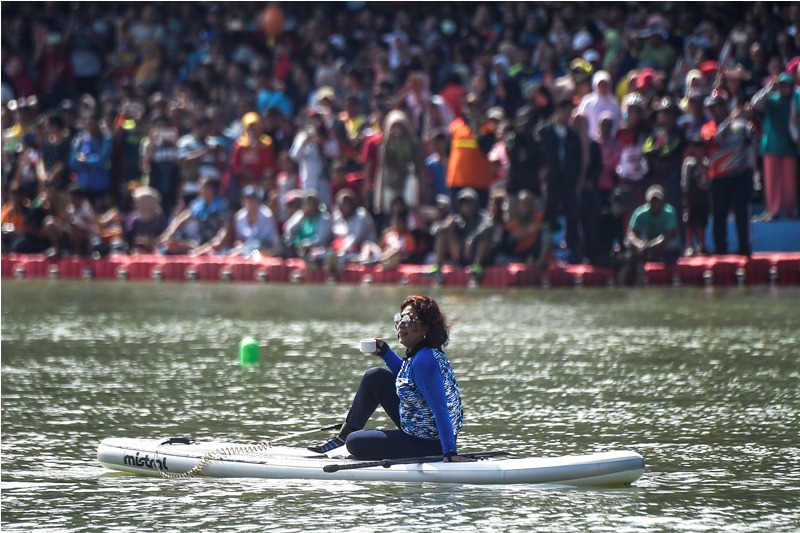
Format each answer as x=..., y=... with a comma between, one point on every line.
x=386, y=463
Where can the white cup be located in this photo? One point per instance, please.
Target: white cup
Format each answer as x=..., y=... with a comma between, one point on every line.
x=368, y=345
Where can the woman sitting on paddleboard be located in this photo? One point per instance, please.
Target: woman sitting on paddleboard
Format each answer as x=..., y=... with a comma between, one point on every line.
x=419, y=393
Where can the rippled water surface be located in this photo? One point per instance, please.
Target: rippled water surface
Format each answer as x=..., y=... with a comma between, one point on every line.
x=704, y=384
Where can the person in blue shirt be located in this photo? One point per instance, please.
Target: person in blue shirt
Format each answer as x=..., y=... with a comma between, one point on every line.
x=419, y=392
x=90, y=158
x=203, y=227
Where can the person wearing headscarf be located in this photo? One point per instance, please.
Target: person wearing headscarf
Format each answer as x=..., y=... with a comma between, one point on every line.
x=694, y=83
x=400, y=156
x=778, y=147
x=611, y=56
x=414, y=96
x=600, y=100
x=437, y=117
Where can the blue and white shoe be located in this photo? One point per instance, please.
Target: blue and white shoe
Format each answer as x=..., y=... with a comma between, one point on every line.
x=332, y=444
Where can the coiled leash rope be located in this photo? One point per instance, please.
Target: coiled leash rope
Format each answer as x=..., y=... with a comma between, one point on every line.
x=219, y=453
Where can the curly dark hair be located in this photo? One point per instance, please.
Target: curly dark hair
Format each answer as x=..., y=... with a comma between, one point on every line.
x=431, y=316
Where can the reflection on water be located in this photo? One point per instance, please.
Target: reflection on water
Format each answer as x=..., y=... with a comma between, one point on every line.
x=704, y=384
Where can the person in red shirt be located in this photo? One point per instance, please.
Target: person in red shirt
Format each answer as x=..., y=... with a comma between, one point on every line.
x=54, y=66
x=454, y=93
x=252, y=157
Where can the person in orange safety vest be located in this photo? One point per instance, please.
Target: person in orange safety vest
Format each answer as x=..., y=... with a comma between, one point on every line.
x=471, y=140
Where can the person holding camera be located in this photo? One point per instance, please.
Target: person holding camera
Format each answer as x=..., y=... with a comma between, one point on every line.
x=159, y=160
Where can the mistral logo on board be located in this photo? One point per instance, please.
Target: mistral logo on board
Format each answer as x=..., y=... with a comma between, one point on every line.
x=145, y=461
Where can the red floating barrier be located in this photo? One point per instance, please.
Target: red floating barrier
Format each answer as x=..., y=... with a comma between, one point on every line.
x=141, y=268
x=780, y=268
x=278, y=272
x=8, y=265
x=176, y=269
x=590, y=276
x=659, y=273
x=521, y=274
x=247, y=272
x=352, y=273
x=455, y=276
x=381, y=275
x=690, y=273
x=788, y=271
x=104, y=269
x=36, y=267
x=78, y=267
x=724, y=269
x=496, y=276
x=756, y=271
x=418, y=274
x=209, y=270
x=559, y=277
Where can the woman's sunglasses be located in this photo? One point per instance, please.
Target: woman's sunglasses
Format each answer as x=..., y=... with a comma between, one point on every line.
x=404, y=319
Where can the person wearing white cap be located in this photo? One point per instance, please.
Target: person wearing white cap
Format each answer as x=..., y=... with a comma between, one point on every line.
x=308, y=232
x=146, y=222
x=600, y=100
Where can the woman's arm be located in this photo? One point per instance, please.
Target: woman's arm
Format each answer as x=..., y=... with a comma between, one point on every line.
x=391, y=359
x=428, y=378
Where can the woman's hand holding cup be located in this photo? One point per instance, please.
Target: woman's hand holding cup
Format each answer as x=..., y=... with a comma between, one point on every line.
x=369, y=346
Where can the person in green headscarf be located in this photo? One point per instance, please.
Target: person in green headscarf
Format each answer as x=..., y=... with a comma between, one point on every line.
x=613, y=41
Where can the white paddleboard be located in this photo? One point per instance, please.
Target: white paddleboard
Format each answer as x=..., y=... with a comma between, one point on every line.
x=160, y=457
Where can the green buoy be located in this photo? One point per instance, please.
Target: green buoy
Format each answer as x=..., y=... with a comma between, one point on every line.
x=248, y=351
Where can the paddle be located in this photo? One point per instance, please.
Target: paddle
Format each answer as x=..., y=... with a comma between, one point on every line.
x=306, y=432
x=386, y=463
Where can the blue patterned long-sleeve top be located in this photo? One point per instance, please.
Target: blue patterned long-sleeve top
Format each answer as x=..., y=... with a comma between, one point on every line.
x=93, y=173
x=430, y=400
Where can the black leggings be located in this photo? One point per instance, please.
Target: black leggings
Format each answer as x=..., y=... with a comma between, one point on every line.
x=377, y=387
x=731, y=192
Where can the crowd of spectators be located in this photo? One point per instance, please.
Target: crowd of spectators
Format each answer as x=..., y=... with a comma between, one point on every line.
x=433, y=133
